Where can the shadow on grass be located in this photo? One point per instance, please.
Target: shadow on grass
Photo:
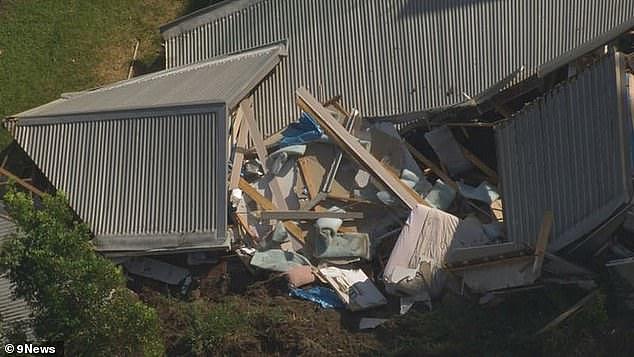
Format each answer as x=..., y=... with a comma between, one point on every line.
x=193, y=5
x=508, y=329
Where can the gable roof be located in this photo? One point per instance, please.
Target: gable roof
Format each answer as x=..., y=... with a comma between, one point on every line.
x=144, y=161
x=225, y=79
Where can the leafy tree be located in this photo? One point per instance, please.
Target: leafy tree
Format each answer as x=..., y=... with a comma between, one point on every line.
x=77, y=296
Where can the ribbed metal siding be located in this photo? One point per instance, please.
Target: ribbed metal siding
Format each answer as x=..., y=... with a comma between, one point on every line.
x=151, y=175
x=568, y=153
x=11, y=309
x=394, y=57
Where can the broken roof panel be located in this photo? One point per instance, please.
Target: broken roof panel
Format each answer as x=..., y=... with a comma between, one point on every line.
x=394, y=57
x=568, y=152
x=143, y=161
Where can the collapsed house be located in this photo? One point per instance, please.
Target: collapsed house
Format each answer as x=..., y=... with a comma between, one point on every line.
x=497, y=169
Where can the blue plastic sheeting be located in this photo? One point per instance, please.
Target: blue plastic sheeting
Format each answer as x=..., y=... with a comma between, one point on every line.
x=301, y=132
x=326, y=298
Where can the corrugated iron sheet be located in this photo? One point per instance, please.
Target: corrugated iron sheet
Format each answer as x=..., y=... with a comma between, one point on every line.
x=12, y=310
x=138, y=182
x=391, y=57
x=567, y=152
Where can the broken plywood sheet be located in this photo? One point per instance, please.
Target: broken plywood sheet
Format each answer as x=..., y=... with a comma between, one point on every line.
x=507, y=274
x=448, y=150
x=316, y=161
x=387, y=146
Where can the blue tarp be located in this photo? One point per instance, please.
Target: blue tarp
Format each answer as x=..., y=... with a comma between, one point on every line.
x=301, y=132
x=325, y=297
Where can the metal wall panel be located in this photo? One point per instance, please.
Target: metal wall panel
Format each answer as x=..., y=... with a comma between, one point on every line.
x=568, y=152
x=389, y=57
x=11, y=309
x=152, y=176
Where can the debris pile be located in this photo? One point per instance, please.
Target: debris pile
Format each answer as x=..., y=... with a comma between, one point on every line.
x=341, y=202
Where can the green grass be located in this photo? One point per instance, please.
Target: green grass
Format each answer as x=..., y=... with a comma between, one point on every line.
x=49, y=47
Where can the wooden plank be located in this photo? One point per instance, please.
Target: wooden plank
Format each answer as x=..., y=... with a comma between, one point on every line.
x=247, y=108
x=239, y=155
x=492, y=175
x=241, y=218
x=566, y=314
x=237, y=123
x=503, y=261
x=307, y=215
x=332, y=100
x=432, y=166
x=542, y=241
x=265, y=204
x=269, y=142
x=498, y=210
x=351, y=145
x=312, y=171
x=134, y=54
x=306, y=170
x=21, y=182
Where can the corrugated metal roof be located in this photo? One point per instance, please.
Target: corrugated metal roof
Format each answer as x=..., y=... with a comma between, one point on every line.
x=142, y=184
x=568, y=152
x=11, y=309
x=142, y=161
x=225, y=79
x=390, y=57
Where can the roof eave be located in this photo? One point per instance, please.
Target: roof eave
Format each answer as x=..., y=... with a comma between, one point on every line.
x=203, y=16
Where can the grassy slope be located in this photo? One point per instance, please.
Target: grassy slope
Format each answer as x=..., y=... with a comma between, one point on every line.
x=49, y=46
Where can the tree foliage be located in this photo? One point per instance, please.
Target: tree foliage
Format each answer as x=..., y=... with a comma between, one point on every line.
x=77, y=296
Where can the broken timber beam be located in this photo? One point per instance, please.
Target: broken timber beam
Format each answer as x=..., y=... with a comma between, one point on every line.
x=566, y=314
x=432, y=166
x=492, y=175
x=21, y=182
x=307, y=215
x=241, y=143
x=348, y=143
x=242, y=221
x=263, y=202
x=246, y=106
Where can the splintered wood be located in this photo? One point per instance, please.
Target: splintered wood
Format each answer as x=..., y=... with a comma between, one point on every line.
x=246, y=106
x=265, y=204
x=351, y=145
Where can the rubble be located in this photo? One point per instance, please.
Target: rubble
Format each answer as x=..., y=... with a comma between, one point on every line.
x=356, y=213
x=369, y=213
x=357, y=182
